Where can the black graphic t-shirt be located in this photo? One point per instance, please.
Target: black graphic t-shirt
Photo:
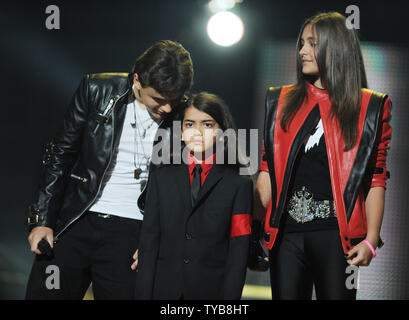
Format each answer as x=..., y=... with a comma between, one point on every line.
x=311, y=170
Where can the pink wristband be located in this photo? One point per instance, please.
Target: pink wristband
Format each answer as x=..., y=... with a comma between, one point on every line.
x=371, y=248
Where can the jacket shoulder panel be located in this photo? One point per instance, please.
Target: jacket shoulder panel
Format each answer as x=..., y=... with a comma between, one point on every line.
x=108, y=75
x=104, y=86
x=109, y=82
x=367, y=93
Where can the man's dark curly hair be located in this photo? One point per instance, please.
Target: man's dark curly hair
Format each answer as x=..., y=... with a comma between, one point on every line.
x=166, y=67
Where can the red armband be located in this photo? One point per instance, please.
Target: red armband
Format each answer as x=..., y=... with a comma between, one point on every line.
x=240, y=225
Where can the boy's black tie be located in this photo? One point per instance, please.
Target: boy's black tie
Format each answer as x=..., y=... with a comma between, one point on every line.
x=196, y=183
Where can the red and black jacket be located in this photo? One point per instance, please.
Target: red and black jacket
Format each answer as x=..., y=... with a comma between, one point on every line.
x=352, y=172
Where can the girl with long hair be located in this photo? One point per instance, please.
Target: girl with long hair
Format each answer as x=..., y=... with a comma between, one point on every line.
x=321, y=187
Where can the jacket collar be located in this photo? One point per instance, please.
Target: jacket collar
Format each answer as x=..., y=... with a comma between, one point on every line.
x=206, y=165
x=315, y=93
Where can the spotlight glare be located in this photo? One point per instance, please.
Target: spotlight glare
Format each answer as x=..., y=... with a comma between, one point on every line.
x=221, y=5
x=225, y=28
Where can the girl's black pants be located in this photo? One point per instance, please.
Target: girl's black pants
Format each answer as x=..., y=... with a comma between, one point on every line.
x=300, y=260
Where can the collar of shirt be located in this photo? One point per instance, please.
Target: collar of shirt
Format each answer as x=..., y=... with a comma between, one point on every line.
x=207, y=164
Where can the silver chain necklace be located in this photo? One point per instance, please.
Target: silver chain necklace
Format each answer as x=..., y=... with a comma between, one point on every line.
x=145, y=157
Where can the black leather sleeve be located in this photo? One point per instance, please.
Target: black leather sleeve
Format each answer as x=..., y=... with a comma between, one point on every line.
x=60, y=156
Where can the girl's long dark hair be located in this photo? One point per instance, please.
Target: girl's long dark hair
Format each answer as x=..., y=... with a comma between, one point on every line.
x=341, y=70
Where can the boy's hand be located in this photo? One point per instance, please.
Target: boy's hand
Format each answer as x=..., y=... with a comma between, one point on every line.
x=135, y=257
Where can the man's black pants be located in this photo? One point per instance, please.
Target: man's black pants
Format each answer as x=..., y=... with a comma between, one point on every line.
x=300, y=259
x=94, y=249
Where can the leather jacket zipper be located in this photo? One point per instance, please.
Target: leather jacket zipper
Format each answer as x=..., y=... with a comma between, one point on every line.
x=79, y=178
x=109, y=107
x=106, y=168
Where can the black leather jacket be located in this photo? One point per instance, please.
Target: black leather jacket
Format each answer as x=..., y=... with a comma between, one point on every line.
x=77, y=159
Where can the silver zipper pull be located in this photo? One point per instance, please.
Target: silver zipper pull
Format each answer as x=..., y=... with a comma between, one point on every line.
x=79, y=178
x=111, y=102
x=109, y=106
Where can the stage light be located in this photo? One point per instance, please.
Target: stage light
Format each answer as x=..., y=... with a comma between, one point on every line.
x=225, y=28
x=221, y=5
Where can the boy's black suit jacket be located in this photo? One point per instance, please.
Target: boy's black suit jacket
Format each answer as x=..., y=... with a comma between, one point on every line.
x=188, y=251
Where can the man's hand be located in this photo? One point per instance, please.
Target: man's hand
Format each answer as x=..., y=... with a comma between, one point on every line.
x=39, y=233
x=135, y=257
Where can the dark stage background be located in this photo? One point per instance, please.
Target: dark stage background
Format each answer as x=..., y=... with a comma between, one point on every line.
x=41, y=68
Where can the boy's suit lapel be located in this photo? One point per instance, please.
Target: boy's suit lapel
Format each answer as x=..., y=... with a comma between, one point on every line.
x=182, y=179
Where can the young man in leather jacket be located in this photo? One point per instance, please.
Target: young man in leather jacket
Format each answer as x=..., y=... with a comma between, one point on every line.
x=91, y=197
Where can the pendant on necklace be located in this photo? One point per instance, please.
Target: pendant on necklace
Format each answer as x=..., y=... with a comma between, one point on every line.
x=137, y=173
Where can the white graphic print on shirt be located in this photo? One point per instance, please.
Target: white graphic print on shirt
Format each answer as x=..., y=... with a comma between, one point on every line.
x=315, y=138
